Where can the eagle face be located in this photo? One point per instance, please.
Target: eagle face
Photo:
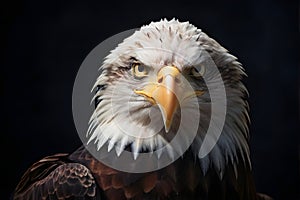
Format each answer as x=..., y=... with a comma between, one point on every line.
x=157, y=83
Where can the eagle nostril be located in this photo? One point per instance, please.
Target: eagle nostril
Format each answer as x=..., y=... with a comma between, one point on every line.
x=160, y=79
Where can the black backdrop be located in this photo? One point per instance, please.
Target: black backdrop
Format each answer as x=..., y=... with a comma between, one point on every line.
x=44, y=43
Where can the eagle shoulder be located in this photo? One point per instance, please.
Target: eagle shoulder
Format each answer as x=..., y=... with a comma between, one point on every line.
x=55, y=177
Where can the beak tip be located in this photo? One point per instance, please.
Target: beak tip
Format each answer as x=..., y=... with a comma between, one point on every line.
x=166, y=129
x=167, y=125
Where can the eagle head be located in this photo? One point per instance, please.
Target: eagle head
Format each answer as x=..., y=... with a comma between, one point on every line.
x=159, y=83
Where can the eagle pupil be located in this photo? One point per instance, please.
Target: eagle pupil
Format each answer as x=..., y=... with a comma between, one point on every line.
x=141, y=68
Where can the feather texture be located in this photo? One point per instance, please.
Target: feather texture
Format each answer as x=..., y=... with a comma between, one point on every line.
x=55, y=177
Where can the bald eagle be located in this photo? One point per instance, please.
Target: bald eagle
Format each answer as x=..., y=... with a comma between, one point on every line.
x=156, y=96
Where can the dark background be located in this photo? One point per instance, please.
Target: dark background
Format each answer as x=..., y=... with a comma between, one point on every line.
x=44, y=42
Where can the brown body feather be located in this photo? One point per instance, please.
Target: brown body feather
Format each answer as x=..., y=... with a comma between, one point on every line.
x=81, y=176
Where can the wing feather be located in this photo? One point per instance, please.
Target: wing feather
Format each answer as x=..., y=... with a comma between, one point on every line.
x=55, y=178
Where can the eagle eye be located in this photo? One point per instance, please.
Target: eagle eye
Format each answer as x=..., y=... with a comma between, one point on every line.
x=139, y=70
x=198, y=71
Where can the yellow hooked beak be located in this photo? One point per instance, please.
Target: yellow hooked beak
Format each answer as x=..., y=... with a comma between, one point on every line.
x=163, y=93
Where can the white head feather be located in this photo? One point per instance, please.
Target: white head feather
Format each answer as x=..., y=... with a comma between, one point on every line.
x=158, y=44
